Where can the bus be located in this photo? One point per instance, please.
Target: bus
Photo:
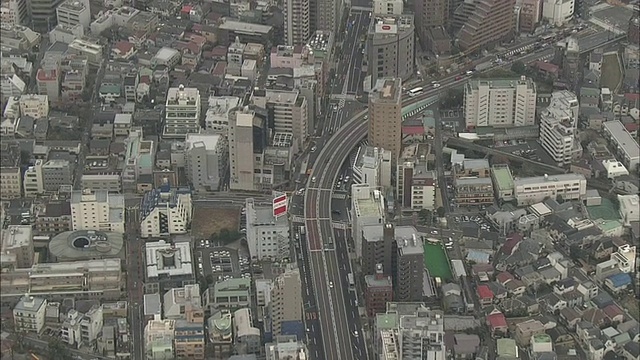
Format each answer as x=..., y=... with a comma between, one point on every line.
x=416, y=91
x=352, y=283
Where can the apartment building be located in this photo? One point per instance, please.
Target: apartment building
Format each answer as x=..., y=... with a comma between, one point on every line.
x=297, y=24
x=11, y=85
x=33, y=181
x=367, y=208
x=287, y=304
x=43, y=14
x=558, y=12
x=489, y=22
x=533, y=190
x=54, y=218
x=10, y=173
x=391, y=47
x=189, y=335
x=159, y=337
x=474, y=191
x=247, y=337
x=328, y=15
x=409, y=264
x=217, y=116
x=97, y=210
x=168, y=265
x=530, y=15
x=377, y=248
x=378, y=291
x=74, y=12
x=626, y=146
x=206, y=161
x=43, y=177
x=372, y=166
x=92, y=51
x=500, y=102
x=472, y=168
x=385, y=116
x=29, y=314
x=416, y=184
x=165, y=211
x=430, y=14
x=388, y=7
x=417, y=332
x=558, y=125
x=17, y=246
x=14, y=12
x=139, y=155
x=82, y=328
x=290, y=114
x=36, y=106
x=182, y=112
x=82, y=280
x=267, y=235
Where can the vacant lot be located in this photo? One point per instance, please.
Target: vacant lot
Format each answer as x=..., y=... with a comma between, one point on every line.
x=207, y=221
x=611, y=72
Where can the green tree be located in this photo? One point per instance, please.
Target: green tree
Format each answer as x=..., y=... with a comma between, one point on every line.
x=440, y=211
x=518, y=67
x=57, y=350
x=452, y=99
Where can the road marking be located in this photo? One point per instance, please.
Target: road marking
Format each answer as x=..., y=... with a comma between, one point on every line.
x=339, y=225
x=338, y=196
x=316, y=250
x=319, y=189
x=297, y=218
x=318, y=219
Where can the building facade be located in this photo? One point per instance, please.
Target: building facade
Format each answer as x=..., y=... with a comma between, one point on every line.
x=29, y=314
x=165, y=211
x=286, y=304
x=489, y=23
x=182, y=112
x=296, y=22
x=385, y=116
x=267, y=235
x=558, y=125
x=74, y=12
x=206, y=161
x=532, y=190
x=391, y=47
x=97, y=210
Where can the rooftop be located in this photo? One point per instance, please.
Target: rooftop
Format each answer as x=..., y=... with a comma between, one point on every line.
x=503, y=177
x=501, y=83
x=387, y=89
x=85, y=244
x=623, y=139
x=535, y=180
x=16, y=236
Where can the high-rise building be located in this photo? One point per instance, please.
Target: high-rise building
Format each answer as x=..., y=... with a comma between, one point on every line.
x=287, y=113
x=74, y=12
x=430, y=14
x=296, y=22
x=247, y=139
x=327, y=14
x=286, y=304
x=408, y=264
x=206, y=160
x=530, y=14
x=97, y=210
x=391, y=47
x=378, y=291
x=367, y=208
x=182, y=112
x=558, y=125
x=558, y=12
x=388, y=7
x=500, y=102
x=385, y=116
x=43, y=14
x=14, y=12
x=488, y=22
x=377, y=247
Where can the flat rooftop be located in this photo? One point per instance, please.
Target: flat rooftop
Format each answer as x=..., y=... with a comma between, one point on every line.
x=387, y=89
x=623, y=139
x=542, y=179
x=503, y=177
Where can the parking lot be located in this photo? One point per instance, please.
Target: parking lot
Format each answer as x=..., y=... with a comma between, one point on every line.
x=473, y=221
x=220, y=262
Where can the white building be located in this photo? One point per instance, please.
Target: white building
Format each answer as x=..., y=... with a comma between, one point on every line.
x=11, y=86
x=286, y=300
x=176, y=299
x=74, y=12
x=158, y=339
x=532, y=190
x=168, y=260
x=217, y=117
x=92, y=50
x=206, y=160
x=182, y=112
x=625, y=256
x=627, y=149
x=500, y=102
x=17, y=246
x=165, y=211
x=247, y=337
x=242, y=162
x=82, y=329
x=36, y=106
x=614, y=168
x=388, y=7
x=97, y=210
x=558, y=12
x=367, y=208
x=558, y=125
x=29, y=314
x=267, y=236
x=33, y=182
x=14, y=12
x=372, y=166
x=629, y=208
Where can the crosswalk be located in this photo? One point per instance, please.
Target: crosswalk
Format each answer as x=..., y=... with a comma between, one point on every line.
x=339, y=225
x=339, y=196
x=297, y=219
x=341, y=103
x=312, y=315
x=520, y=49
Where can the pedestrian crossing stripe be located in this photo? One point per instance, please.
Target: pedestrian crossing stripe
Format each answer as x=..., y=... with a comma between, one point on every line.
x=339, y=196
x=298, y=218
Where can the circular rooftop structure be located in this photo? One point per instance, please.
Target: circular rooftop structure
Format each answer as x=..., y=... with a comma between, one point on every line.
x=86, y=244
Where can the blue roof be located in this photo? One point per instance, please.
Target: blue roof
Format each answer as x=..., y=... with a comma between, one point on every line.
x=619, y=280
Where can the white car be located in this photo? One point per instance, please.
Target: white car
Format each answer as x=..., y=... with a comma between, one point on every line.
x=436, y=85
x=331, y=284
x=355, y=333
x=313, y=179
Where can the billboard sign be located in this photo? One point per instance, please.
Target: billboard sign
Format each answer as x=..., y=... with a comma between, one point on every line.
x=386, y=28
x=280, y=204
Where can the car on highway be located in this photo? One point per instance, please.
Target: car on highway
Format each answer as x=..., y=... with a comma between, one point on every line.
x=434, y=232
x=331, y=284
x=314, y=148
x=355, y=333
x=436, y=85
x=313, y=179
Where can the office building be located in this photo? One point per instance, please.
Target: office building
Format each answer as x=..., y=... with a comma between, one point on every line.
x=267, y=235
x=165, y=211
x=378, y=291
x=367, y=208
x=82, y=280
x=472, y=168
x=286, y=304
x=328, y=15
x=17, y=246
x=230, y=294
x=391, y=47
x=177, y=300
x=372, y=166
x=247, y=337
x=43, y=14
x=388, y=7
x=57, y=173
x=29, y=314
x=558, y=12
x=247, y=140
x=385, y=116
x=139, y=156
x=410, y=331
x=567, y=54
x=97, y=210
x=408, y=265
x=558, y=125
x=500, y=102
x=82, y=328
x=297, y=26
x=286, y=347
x=206, y=161
x=488, y=23
x=35, y=106
x=189, y=338
x=182, y=112
x=168, y=265
x=533, y=190
x=474, y=191
x=377, y=248
x=415, y=183
x=430, y=15
x=626, y=146
x=530, y=15
x=93, y=50
x=14, y=12
x=74, y=12
x=158, y=339
x=220, y=331
x=287, y=113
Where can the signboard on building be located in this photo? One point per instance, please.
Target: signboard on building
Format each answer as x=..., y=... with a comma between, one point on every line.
x=386, y=28
x=280, y=204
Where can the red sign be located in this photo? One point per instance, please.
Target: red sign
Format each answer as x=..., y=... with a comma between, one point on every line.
x=386, y=27
x=279, y=199
x=280, y=211
x=280, y=205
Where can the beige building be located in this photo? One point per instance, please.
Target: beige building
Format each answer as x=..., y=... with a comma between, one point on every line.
x=290, y=113
x=97, y=210
x=29, y=314
x=500, y=102
x=10, y=174
x=286, y=300
x=17, y=246
x=385, y=116
x=159, y=335
x=74, y=12
x=558, y=128
x=297, y=26
x=242, y=150
x=182, y=112
x=391, y=47
x=14, y=12
x=36, y=106
x=487, y=23
x=388, y=7
x=533, y=190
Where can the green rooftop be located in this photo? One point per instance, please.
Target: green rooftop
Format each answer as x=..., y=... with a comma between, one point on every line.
x=503, y=178
x=541, y=338
x=110, y=89
x=507, y=348
x=232, y=287
x=386, y=321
